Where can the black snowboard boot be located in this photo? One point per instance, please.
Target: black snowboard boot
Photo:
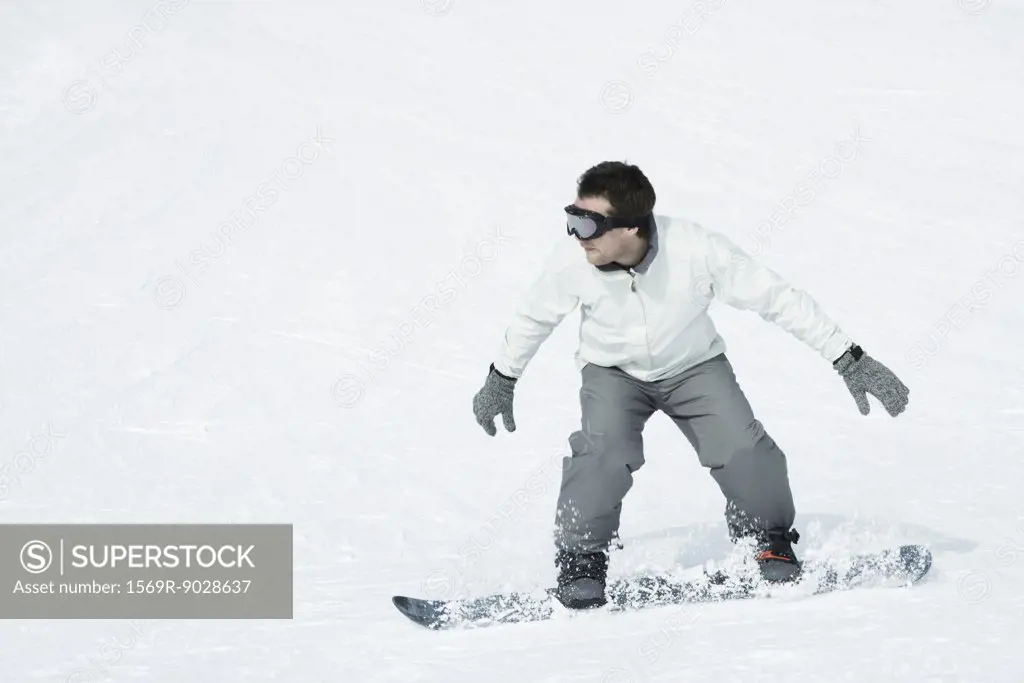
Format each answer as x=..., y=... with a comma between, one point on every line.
x=775, y=556
x=581, y=579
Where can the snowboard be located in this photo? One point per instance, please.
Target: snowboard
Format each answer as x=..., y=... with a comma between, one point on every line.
x=899, y=565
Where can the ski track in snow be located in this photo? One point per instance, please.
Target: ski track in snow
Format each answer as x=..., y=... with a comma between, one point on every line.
x=292, y=372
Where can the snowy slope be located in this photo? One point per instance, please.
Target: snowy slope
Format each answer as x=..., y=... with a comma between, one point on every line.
x=397, y=170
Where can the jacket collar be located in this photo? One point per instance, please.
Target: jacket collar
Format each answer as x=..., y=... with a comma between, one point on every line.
x=652, y=251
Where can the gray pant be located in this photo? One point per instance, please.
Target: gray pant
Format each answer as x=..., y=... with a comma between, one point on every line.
x=708, y=406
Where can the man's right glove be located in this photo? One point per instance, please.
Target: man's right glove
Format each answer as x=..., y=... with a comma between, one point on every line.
x=495, y=398
x=864, y=375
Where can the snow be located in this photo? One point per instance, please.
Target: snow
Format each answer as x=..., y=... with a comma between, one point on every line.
x=294, y=368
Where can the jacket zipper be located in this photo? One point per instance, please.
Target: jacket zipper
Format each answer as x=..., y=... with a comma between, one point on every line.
x=643, y=315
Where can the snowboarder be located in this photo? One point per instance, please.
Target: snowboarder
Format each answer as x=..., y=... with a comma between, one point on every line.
x=644, y=282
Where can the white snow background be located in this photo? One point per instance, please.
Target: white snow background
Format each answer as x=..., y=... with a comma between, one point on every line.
x=313, y=361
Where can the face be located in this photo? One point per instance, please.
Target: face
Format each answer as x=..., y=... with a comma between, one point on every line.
x=612, y=245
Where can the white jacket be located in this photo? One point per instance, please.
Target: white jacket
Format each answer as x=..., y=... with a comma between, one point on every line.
x=652, y=320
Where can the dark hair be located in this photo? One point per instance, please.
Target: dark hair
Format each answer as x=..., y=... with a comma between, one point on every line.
x=625, y=187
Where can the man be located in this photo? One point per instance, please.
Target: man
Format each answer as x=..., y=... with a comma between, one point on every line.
x=643, y=282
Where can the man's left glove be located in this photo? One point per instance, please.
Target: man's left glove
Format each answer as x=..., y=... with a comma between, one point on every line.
x=493, y=399
x=864, y=375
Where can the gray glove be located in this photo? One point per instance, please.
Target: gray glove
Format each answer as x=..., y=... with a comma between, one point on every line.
x=864, y=375
x=495, y=398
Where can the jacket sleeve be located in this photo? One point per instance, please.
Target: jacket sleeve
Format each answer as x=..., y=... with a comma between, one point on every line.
x=739, y=280
x=548, y=300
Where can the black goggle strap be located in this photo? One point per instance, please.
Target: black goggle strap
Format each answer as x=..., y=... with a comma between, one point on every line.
x=617, y=222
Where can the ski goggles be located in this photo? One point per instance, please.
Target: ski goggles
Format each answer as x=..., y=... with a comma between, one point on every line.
x=588, y=225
